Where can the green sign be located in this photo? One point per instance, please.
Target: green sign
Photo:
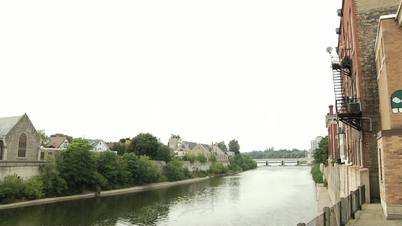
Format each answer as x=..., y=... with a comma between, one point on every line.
x=396, y=102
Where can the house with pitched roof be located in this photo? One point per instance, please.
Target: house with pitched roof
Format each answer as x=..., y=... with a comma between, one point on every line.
x=98, y=145
x=19, y=147
x=181, y=148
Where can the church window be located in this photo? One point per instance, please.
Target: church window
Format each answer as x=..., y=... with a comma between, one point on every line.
x=22, y=145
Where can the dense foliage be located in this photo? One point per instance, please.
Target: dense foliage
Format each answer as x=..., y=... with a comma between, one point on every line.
x=281, y=153
x=77, y=166
x=242, y=163
x=176, y=171
x=234, y=146
x=316, y=173
x=321, y=153
x=143, y=144
x=77, y=169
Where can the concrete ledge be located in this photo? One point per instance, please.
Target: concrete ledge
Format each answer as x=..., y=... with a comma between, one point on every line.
x=135, y=189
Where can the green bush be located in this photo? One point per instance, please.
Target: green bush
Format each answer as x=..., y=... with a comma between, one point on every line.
x=113, y=168
x=316, y=173
x=201, y=158
x=242, y=163
x=175, y=170
x=53, y=183
x=189, y=157
x=148, y=170
x=11, y=189
x=218, y=169
x=141, y=169
x=33, y=188
x=212, y=158
x=78, y=167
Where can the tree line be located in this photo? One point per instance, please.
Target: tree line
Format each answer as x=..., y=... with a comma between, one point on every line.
x=138, y=161
x=281, y=153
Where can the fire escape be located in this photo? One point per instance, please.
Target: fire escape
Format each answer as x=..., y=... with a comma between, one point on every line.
x=348, y=108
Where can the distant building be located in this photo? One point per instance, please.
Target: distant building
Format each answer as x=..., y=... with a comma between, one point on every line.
x=98, y=145
x=19, y=147
x=315, y=143
x=181, y=148
x=58, y=142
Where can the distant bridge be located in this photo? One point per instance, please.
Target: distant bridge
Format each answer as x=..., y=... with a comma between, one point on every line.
x=284, y=162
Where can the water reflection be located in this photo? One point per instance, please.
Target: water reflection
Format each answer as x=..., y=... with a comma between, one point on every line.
x=266, y=196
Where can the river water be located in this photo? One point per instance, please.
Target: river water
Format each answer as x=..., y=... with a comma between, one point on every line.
x=265, y=196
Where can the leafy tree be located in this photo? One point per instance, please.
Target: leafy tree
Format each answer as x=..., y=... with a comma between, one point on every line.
x=242, y=162
x=222, y=146
x=53, y=183
x=163, y=153
x=147, y=144
x=120, y=148
x=144, y=144
x=78, y=167
x=201, y=158
x=321, y=153
x=218, y=169
x=44, y=139
x=234, y=146
x=11, y=189
x=112, y=168
x=175, y=170
x=33, y=188
x=142, y=170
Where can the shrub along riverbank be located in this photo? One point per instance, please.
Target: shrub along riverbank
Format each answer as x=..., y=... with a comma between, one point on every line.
x=77, y=170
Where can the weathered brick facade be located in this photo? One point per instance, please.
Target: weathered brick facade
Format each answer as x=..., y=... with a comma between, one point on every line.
x=388, y=54
x=359, y=24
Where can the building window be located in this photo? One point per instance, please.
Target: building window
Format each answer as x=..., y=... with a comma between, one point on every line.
x=381, y=164
x=22, y=145
x=1, y=149
x=42, y=155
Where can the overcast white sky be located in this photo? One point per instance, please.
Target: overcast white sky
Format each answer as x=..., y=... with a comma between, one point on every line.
x=210, y=70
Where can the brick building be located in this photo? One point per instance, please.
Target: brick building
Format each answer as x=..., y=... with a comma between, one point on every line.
x=356, y=98
x=388, y=52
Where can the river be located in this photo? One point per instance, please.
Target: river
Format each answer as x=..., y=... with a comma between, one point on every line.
x=265, y=196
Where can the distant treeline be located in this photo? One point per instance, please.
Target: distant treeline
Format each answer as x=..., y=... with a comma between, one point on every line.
x=273, y=154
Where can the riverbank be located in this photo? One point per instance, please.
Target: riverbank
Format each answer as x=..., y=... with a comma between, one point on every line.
x=114, y=192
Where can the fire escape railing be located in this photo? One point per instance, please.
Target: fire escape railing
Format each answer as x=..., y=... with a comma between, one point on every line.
x=348, y=109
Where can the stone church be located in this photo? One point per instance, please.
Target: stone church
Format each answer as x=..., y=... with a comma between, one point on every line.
x=19, y=147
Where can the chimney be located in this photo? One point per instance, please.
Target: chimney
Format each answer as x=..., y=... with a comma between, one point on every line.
x=331, y=110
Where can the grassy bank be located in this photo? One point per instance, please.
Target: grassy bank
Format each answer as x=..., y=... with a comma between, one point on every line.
x=316, y=174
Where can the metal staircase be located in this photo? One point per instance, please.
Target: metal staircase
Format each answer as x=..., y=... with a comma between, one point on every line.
x=347, y=108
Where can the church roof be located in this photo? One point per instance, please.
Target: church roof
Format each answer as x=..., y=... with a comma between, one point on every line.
x=8, y=123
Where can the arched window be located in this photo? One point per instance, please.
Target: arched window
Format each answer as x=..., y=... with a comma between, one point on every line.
x=22, y=145
x=1, y=149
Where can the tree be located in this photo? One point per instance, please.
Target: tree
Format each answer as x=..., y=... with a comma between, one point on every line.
x=44, y=139
x=144, y=144
x=321, y=153
x=120, y=148
x=108, y=164
x=77, y=166
x=53, y=183
x=142, y=170
x=234, y=146
x=222, y=146
x=147, y=144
